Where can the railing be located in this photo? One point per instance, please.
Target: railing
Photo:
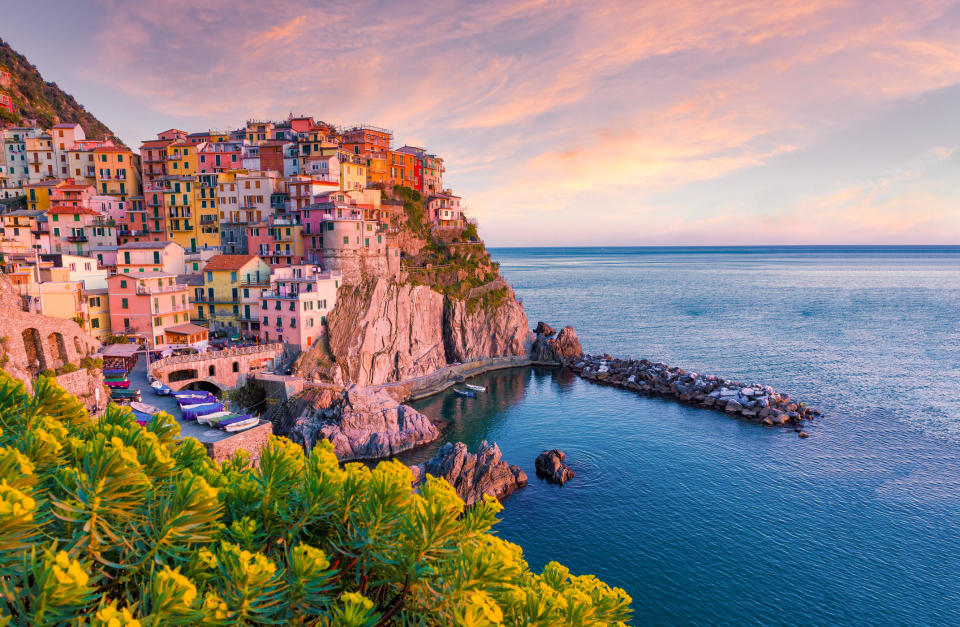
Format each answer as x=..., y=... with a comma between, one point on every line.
x=76, y=238
x=160, y=289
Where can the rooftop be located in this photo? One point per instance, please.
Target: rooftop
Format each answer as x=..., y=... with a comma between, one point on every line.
x=228, y=262
x=145, y=245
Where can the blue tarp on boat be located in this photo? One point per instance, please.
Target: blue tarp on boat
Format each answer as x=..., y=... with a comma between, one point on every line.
x=201, y=410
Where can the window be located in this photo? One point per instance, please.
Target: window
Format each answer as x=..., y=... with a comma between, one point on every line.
x=233, y=277
x=95, y=323
x=210, y=278
x=126, y=323
x=158, y=321
x=124, y=304
x=123, y=282
x=212, y=370
x=156, y=256
x=293, y=323
x=346, y=239
x=236, y=366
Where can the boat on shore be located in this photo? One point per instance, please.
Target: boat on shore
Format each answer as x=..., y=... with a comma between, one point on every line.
x=145, y=408
x=465, y=393
x=476, y=388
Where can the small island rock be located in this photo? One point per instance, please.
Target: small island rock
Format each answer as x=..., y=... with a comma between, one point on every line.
x=473, y=475
x=550, y=466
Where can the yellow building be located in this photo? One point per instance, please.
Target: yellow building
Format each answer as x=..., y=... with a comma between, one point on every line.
x=182, y=158
x=117, y=171
x=229, y=280
x=97, y=321
x=205, y=203
x=38, y=194
x=56, y=296
x=353, y=172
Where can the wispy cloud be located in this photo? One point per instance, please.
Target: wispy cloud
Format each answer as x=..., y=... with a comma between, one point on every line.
x=541, y=106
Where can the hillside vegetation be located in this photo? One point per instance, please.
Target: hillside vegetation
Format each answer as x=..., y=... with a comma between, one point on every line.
x=35, y=98
x=107, y=522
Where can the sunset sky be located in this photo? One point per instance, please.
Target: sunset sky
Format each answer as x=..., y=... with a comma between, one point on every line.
x=569, y=123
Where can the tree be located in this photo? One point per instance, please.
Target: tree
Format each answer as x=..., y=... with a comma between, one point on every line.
x=126, y=524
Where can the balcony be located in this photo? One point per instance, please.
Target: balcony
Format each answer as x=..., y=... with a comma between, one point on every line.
x=160, y=289
x=180, y=213
x=182, y=228
x=76, y=238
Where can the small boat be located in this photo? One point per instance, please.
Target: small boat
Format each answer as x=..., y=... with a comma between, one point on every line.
x=145, y=408
x=115, y=373
x=160, y=389
x=124, y=396
x=240, y=425
x=214, y=418
x=476, y=388
x=118, y=384
x=465, y=393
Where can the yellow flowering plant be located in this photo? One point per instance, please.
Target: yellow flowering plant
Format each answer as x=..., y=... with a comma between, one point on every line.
x=105, y=522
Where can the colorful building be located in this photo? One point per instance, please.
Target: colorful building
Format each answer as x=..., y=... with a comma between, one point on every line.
x=294, y=310
x=118, y=171
x=146, y=305
x=143, y=257
x=279, y=241
x=229, y=284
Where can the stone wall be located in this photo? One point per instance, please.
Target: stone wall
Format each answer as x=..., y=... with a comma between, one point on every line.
x=252, y=440
x=88, y=386
x=33, y=342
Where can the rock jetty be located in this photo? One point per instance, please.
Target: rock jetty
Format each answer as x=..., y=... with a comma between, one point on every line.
x=760, y=403
x=361, y=424
x=550, y=466
x=473, y=475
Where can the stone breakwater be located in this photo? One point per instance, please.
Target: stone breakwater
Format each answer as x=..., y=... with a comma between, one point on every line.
x=760, y=403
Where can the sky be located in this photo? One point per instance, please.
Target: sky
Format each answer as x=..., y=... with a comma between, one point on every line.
x=653, y=122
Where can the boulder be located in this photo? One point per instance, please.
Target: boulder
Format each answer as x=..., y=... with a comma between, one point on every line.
x=564, y=348
x=360, y=423
x=544, y=329
x=550, y=466
x=473, y=475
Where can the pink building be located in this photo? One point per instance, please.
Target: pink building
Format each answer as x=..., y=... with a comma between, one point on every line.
x=147, y=305
x=443, y=211
x=294, y=310
x=278, y=241
x=219, y=157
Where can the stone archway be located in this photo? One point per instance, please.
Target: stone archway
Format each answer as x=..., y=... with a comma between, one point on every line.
x=58, y=349
x=33, y=348
x=182, y=375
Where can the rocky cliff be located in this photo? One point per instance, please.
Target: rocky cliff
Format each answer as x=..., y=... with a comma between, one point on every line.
x=380, y=331
x=360, y=423
x=489, y=322
x=447, y=304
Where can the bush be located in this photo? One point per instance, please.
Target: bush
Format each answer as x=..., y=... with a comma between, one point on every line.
x=109, y=520
x=89, y=363
x=66, y=369
x=48, y=372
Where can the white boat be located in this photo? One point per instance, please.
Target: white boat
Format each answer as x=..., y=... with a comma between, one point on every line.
x=243, y=424
x=147, y=409
x=475, y=388
x=205, y=420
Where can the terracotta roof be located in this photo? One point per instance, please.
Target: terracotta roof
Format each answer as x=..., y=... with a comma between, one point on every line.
x=61, y=210
x=227, y=262
x=66, y=125
x=156, y=143
x=110, y=149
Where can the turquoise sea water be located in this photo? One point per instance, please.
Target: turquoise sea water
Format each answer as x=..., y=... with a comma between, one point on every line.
x=706, y=519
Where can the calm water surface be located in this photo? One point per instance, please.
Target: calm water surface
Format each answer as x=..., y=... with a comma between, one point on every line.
x=705, y=519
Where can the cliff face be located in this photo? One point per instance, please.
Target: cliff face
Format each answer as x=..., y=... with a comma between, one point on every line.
x=490, y=322
x=382, y=331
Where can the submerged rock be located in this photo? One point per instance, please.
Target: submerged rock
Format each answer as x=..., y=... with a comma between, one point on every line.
x=360, y=423
x=473, y=475
x=550, y=466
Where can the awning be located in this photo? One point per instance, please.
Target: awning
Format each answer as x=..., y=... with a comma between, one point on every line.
x=187, y=329
x=121, y=350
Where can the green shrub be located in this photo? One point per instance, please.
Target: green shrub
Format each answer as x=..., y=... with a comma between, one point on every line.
x=107, y=521
x=66, y=369
x=48, y=372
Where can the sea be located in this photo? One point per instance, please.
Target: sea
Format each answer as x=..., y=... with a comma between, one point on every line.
x=706, y=519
